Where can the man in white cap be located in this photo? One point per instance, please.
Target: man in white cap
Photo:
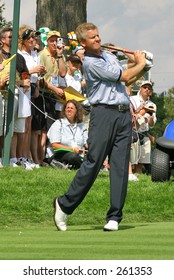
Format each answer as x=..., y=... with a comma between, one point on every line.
x=54, y=61
x=145, y=111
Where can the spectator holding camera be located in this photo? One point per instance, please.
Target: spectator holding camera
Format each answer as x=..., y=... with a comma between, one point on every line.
x=53, y=59
x=145, y=112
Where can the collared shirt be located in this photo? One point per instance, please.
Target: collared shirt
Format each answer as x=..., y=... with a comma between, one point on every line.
x=50, y=63
x=102, y=75
x=63, y=132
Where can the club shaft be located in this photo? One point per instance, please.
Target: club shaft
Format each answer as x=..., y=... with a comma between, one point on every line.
x=117, y=49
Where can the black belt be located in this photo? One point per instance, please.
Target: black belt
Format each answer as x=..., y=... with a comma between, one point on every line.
x=119, y=108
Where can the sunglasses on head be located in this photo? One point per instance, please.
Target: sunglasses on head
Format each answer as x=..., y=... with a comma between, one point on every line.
x=28, y=33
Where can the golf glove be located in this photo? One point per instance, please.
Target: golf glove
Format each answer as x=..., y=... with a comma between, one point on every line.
x=148, y=55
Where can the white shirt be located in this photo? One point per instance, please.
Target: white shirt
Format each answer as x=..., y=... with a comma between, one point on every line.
x=32, y=60
x=136, y=101
x=74, y=81
x=63, y=132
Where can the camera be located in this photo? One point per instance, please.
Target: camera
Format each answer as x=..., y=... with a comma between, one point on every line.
x=59, y=42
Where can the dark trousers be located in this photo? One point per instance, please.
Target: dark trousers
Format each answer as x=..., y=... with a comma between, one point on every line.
x=73, y=159
x=109, y=134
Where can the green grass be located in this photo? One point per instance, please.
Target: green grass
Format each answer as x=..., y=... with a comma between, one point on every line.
x=133, y=241
x=26, y=219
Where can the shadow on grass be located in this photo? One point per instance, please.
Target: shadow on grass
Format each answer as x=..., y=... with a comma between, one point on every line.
x=99, y=228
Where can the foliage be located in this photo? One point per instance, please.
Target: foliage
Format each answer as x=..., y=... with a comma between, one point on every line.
x=3, y=21
x=165, y=112
x=159, y=127
x=169, y=105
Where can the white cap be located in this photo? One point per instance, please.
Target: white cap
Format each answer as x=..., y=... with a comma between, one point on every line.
x=146, y=83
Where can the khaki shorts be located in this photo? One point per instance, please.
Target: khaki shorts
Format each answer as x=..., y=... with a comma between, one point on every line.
x=141, y=153
x=145, y=156
x=18, y=123
x=135, y=152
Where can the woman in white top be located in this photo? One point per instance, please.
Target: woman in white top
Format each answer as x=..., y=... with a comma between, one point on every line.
x=25, y=48
x=68, y=135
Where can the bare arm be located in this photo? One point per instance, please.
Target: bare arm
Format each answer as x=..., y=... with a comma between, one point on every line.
x=132, y=74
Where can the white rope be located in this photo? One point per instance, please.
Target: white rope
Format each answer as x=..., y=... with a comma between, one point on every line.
x=44, y=113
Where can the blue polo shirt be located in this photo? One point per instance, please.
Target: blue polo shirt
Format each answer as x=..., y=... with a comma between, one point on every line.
x=102, y=75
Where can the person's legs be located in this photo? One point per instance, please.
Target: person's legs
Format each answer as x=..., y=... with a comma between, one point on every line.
x=37, y=125
x=42, y=147
x=20, y=143
x=72, y=159
x=119, y=163
x=108, y=134
x=27, y=138
x=34, y=145
x=145, y=155
x=13, y=147
x=99, y=134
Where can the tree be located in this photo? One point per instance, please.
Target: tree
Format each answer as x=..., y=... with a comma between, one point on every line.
x=61, y=15
x=169, y=105
x=3, y=21
x=165, y=112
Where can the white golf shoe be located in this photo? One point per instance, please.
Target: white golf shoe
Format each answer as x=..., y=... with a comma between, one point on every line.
x=111, y=226
x=59, y=217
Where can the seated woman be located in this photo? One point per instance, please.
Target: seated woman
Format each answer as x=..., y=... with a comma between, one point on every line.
x=68, y=136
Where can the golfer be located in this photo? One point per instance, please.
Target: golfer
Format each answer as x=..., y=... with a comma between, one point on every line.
x=109, y=129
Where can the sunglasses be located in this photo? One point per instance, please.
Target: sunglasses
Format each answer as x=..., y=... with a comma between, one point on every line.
x=27, y=34
x=10, y=37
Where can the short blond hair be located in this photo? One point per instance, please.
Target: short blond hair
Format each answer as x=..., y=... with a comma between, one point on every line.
x=82, y=28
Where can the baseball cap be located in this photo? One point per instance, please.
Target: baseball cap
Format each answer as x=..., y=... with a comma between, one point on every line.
x=53, y=33
x=146, y=83
x=74, y=58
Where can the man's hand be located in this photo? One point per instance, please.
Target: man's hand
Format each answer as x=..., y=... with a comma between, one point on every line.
x=139, y=57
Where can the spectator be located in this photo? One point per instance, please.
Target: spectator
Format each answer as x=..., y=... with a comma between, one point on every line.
x=76, y=49
x=35, y=123
x=27, y=38
x=110, y=128
x=19, y=123
x=68, y=135
x=3, y=80
x=132, y=176
x=54, y=61
x=145, y=111
x=79, y=50
x=72, y=76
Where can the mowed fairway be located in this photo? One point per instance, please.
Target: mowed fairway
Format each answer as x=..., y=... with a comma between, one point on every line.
x=139, y=241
